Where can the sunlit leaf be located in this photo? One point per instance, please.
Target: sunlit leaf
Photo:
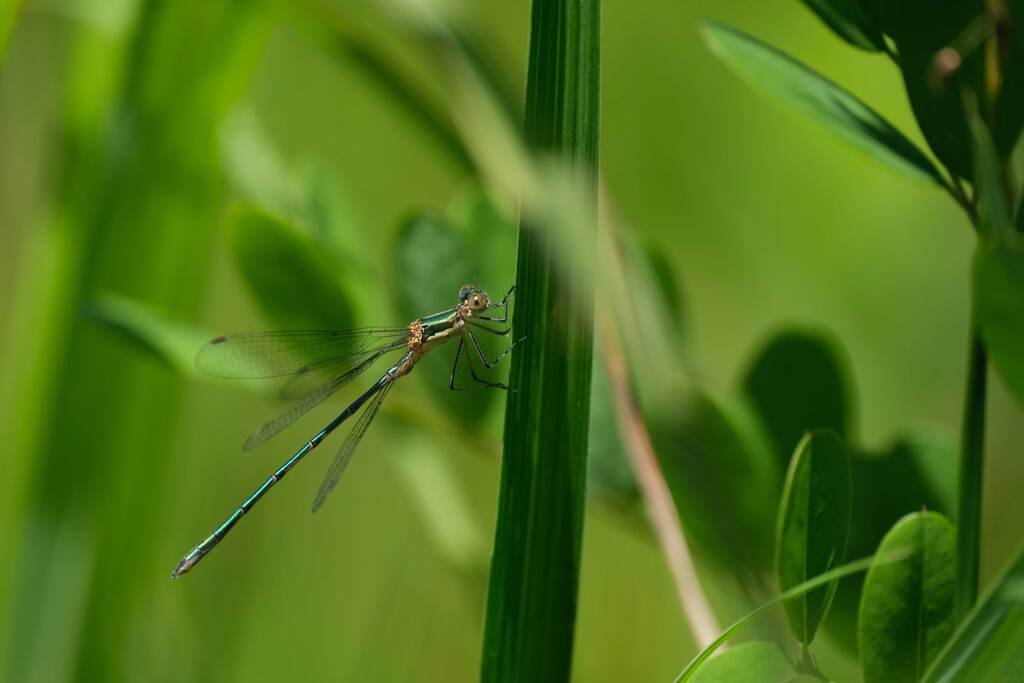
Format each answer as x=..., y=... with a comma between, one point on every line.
x=757, y=662
x=848, y=21
x=906, y=610
x=769, y=69
x=989, y=645
x=814, y=523
x=289, y=276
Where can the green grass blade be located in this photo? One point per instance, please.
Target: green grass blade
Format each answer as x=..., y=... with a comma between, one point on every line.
x=531, y=601
x=989, y=645
x=810, y=93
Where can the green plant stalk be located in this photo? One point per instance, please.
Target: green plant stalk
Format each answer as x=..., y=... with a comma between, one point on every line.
x=531, y=601
x=972, y=448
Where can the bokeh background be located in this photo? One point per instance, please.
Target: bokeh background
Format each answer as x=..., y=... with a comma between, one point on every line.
x=127, y=132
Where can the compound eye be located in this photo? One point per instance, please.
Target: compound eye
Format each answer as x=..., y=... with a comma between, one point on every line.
x=466, y=292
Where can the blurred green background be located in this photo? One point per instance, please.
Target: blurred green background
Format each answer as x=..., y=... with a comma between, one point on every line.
x=116, y=175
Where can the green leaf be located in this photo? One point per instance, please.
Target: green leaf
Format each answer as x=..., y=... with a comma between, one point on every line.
x=757, y=662
x=814, y=523
x=999, y=307
x=848, y=21
x=723, y=481
x=1009, y=109
x=810, y=93
x=173, y=342
x=288, y=274
x=609, y=469
x=906, y=611
x=699, y=661
x=917, y=472
x=432, y=261
x=797, y=383
x=534, y=574
x=989, y=645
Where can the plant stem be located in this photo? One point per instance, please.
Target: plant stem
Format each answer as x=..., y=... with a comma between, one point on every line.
x=531, y=601
x=971, y=471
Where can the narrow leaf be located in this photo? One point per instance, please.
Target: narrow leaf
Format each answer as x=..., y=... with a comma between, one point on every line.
x=989, y=645
x=814, y=523
x=849, y=22
x=999, y=307
x=994, y=220
x=810, y=93
x=757, y=662
x=906, y=610
x=531, y=596
x=288, y=274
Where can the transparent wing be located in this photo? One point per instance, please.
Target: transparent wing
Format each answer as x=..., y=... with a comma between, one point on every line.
x=348, y=448
x=300, y=408
x=277, y=354
x=311, y=378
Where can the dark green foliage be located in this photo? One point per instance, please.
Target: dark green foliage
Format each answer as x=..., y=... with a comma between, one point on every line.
x=531, y=599
x=724, y=482
x=814, y=523
x=849, y=22
x=797, y=383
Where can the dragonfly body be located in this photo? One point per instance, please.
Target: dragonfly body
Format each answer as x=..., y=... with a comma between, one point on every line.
x=351, y=359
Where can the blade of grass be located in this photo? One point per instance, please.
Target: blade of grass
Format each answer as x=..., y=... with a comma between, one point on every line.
x=531, y=601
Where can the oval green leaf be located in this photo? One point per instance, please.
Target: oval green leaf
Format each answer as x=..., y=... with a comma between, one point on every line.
x=917, y=472
x=849, y=22
x=757, y=662
x=773, y=71
x=798, y=382
x=999, y=307
x=813, y=526
x=906, y=610
x=288, y=274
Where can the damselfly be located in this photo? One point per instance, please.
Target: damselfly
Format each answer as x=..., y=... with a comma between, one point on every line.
x=320, y=362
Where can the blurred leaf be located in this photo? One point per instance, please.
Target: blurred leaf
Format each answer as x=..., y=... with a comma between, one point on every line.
x=432, y=261
x=757, y=662
x=8, y=18
x=814, y=523
x=989, y=645
x=917, y=472
x=999, y=307
x=723, y=481
x=797, y=383
x=175, y=343
x=664, y=278
x=775, y=72
x=287, y=273
x=848, y=21
x=906, y=610
x=609, y=468
x=920, y=28
x=253, y=165
x=491, y=234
